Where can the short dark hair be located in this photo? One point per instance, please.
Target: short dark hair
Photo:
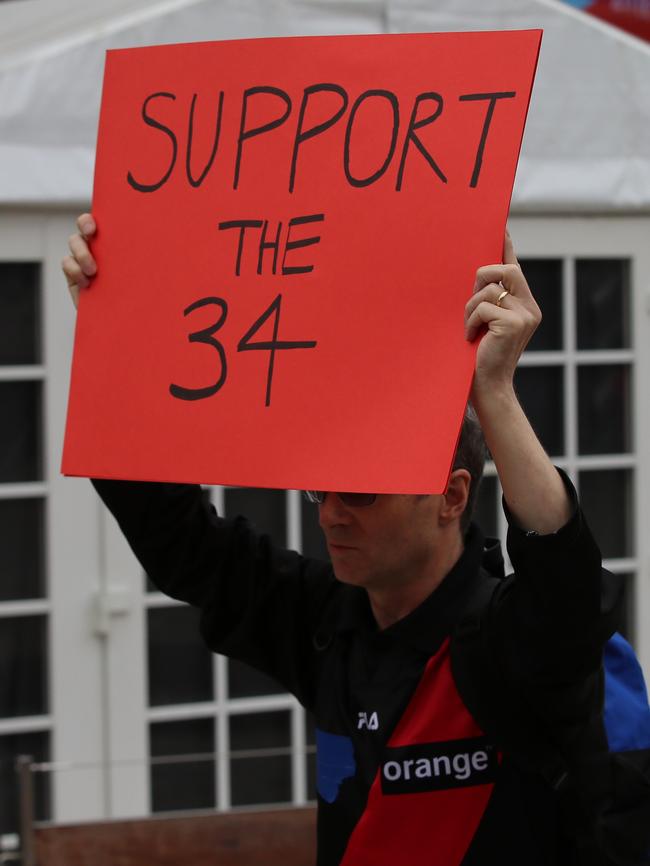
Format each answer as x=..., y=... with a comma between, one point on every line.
x=471, y=454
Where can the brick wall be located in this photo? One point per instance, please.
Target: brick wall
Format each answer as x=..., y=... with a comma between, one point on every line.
x=284, y=837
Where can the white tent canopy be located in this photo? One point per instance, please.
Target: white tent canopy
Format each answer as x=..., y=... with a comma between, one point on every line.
x=587, y=143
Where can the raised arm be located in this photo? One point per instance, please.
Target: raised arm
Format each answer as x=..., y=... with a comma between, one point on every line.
x=503, y=314
x=551, y=624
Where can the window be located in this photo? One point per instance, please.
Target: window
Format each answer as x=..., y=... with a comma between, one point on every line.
x=25, y=724
x=202, y=705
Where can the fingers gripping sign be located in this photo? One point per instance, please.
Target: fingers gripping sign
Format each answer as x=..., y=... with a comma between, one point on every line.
x=79, y=267
x=502, y=309
x=531, y=485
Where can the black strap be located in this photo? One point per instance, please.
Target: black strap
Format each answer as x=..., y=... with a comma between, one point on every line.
x=485, y=691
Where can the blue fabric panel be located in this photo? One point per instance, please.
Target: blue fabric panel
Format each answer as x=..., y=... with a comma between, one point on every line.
x=334, y=762
x=627, y=715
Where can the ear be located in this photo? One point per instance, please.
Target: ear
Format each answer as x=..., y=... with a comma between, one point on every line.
x=455, y=497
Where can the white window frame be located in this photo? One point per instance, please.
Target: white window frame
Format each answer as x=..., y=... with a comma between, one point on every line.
x=71, y=538
x=127, y=672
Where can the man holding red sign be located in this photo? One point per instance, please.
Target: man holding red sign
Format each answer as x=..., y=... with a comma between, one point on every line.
x=405, y=773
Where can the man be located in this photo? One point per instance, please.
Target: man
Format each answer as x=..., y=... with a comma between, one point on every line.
x=405, y=774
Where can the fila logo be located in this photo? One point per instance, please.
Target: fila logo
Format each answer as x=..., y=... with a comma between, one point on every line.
x=369, y=721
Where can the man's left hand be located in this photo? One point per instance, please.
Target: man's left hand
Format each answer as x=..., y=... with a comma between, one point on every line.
x=507, y=324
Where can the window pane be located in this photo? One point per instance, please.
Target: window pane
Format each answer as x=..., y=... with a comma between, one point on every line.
x=23, y=666
x=244, y=681
x=313, y=540
x=37, y=746
x=260, y=779
x=485, y=510
x=180, y=665
x=20, y=313
x=604, y=409
x=266, y=509
x=545, y=279
x=188, y=784
x=602, y=301
x=22, y=543
x=541, y=392
x=20, y=431
x=606, y=498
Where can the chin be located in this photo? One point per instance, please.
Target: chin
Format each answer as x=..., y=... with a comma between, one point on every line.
x=350, y=576
x=356, y=577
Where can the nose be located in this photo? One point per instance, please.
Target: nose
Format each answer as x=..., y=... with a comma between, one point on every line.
x=332, y=512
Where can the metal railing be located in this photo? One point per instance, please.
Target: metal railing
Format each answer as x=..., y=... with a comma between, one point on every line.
x=26, y=768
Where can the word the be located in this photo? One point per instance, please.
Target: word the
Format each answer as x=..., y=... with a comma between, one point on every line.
x=425, y=109
x=265, y=245
x=205, y=335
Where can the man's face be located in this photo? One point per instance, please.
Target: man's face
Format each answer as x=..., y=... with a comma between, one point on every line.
x=389, y=543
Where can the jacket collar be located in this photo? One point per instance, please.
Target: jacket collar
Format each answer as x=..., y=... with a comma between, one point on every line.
x=435, y=618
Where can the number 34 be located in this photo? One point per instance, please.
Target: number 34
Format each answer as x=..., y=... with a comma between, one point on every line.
x=206, y=335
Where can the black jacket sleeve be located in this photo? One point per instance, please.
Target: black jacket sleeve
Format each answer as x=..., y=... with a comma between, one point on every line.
x=259, y=603
x=553, y=620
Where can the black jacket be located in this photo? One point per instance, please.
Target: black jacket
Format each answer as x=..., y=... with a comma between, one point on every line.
x=405, y=775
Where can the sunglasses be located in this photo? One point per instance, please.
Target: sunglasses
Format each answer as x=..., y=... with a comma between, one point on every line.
x=354, y=500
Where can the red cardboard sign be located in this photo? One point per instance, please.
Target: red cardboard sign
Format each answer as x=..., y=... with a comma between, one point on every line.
x=288, y=233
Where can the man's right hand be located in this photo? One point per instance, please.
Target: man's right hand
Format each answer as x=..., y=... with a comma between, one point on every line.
x=80, y=267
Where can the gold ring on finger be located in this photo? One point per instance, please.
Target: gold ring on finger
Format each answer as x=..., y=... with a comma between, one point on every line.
x=502, y=296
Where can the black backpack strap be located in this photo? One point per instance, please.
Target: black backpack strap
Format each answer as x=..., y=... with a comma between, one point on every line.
x=502, y=714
